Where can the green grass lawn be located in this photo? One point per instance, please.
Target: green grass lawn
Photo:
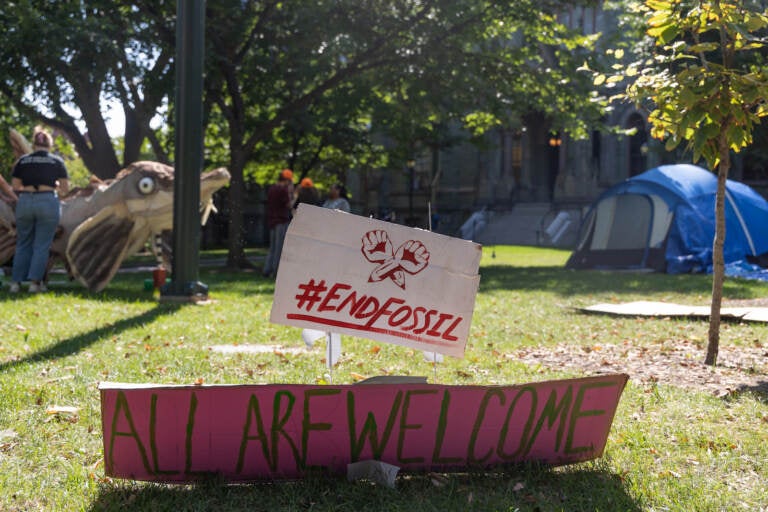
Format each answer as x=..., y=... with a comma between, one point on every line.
x=670, y=447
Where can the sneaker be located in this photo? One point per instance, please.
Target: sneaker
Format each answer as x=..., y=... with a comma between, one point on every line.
x=37, y=287
x=14, y=288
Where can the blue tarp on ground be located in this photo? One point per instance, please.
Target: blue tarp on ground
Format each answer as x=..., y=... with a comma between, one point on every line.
x=664, y=219
x=745, y=270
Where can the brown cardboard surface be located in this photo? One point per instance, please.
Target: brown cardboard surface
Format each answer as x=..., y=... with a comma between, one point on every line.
x=668, y=309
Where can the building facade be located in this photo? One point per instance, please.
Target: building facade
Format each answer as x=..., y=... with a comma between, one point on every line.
x=530, y=164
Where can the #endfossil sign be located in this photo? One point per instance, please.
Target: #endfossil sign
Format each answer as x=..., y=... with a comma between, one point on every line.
x=373, y=279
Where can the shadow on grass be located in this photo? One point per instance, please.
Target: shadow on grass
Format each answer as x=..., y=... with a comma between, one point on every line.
x=503, y=277
x=527, y=490
x=130, y=287
x=759, y=390
x=79, y=342
x=221, y=276
x=584, y=282
x=121, y=291
x=123, y=288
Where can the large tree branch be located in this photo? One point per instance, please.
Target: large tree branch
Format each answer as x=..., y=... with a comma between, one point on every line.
x=262, y=19
x=368, y=60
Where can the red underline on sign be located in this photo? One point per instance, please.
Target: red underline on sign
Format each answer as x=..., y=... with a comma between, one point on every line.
x=364, y=328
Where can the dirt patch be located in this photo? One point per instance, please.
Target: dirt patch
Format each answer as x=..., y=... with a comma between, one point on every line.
x=746, y=303
x=677, y=363
x=682, y=364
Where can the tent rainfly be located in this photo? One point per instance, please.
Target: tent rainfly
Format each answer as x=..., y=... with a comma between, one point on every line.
x=664, y=220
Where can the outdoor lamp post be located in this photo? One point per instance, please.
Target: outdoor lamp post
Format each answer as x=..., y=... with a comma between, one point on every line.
x=190, y=48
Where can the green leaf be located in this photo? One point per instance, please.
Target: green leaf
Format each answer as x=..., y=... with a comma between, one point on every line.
x=659, y=5
x=704, y=47
x=689, y=97
x=711, y=131
x=755, y=22
x=656, y=32
x=669, y=33
x=660, y=19
x=737, y=137
x=696, y=155
x=751, y=46
x=672, y=143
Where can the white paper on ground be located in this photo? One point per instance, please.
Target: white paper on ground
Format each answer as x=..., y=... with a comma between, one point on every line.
x=393, y=379
x=651, y=308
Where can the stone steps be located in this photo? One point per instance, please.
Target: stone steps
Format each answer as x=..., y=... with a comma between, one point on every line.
x=534, y=224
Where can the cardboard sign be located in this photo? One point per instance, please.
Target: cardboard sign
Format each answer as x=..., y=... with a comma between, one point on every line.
x=256, y=432
x=668, y=309
x=368, y=278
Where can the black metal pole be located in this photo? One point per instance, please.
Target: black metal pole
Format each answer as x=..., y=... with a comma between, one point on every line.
x=190, y=29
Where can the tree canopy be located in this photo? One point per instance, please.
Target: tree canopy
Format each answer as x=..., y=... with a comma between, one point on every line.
x=274, y=70
x=301, y=83
x=62, y=62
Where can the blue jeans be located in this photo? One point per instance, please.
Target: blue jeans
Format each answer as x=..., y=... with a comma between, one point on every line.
x=37, y=216
x=276, y=239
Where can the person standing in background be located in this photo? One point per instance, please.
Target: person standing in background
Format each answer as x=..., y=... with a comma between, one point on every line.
x=337, y=198
x=278, y=210
x=306, y=193
x=37, y=179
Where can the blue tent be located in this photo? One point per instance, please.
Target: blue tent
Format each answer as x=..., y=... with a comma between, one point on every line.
x=664, y=220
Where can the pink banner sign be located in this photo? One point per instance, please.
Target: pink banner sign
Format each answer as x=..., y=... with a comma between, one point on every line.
x=373, y=279
x=265, y=432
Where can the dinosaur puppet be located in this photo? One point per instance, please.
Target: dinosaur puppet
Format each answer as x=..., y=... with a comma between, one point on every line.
x=105, y=222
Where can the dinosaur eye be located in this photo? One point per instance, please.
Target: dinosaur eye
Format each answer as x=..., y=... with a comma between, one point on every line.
x=146, y=185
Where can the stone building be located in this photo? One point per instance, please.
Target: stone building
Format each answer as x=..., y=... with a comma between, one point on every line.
x=525, y=184
x=526, y=168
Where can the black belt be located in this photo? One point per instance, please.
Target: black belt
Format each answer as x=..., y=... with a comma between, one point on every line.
x=35, y=191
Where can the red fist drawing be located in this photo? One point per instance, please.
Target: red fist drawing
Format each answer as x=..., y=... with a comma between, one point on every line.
x=376, y=246
x=411, y=257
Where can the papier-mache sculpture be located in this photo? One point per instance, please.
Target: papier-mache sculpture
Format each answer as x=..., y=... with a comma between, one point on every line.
x=107, y=221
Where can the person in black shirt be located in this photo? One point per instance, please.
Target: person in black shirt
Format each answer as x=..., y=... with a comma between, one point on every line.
x=35, y=179
x=306, y=193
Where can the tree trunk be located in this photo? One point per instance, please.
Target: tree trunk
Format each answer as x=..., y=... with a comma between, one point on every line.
x=99, y=156
x=96, y=148
x=236, y=236
x=132, y=138
x=718, y=261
